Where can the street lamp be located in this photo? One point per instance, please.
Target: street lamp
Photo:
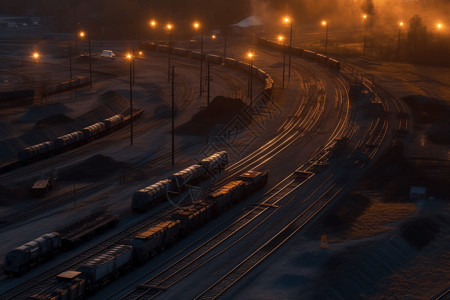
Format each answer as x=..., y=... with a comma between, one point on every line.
x=131, y=60
x=36, y=56
x=250, y=56
x=400, y=25
x=82, y=35
x=439, y=27
x=281, y=39
x=288, y=20
x=169, y=28
x=325, y=24
x=197, y=26
x=152, y=24
x=365, y=34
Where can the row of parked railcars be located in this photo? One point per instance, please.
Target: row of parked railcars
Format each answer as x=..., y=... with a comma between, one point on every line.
x=71, y=139
x=118, y=259
x=216, y=59
x=151, y=195
x=311, y=55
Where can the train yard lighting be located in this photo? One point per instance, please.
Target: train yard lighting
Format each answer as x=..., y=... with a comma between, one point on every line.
x=281, y=41
x=82, y=35
x=197, y=28
x=152, y=24
x=325, y=25
x=250, y=56
x=36, y=55
x=213, y=37
x=365, y=34
x=169, y=28
x=130, y=58
x=289, y=21
x=400, y=26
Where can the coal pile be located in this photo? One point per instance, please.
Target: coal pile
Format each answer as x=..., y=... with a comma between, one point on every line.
x=220, y=112
x=95, y=167
x=57, y=119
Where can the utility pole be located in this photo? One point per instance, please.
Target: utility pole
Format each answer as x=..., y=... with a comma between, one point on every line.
x=173, y=115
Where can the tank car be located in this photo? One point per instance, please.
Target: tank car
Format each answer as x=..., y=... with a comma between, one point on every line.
x=189, y=175
x=20, y=259
x=150, y=196
x=217, y=161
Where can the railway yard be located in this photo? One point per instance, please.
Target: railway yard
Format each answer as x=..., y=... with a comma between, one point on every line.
x=283, y=194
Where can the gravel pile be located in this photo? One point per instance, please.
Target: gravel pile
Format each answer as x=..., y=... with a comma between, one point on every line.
x=221, y=111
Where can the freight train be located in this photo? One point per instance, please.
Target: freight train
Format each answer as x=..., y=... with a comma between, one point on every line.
x=215, y=59
x=307, y=54
x=71, y=139
x=118, y=259
x=151, y=195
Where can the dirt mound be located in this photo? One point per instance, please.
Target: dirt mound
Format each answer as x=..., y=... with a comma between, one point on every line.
x=95, y=167
x=112, y=103
x=220, y=111
x=37, y=113
x=53, y=120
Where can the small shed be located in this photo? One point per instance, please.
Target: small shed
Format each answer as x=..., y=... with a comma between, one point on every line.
x=41, y=186
x=417, y=193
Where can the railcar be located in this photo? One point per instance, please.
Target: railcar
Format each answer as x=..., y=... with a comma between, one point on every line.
x=151, y=195
x=20, y=259
x=190, y=175
x=68, y=286
x=108, y=265
x=193, y=216
x=217, y=161
x=151, y=240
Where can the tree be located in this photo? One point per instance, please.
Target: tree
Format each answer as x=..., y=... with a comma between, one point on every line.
x=417, y=38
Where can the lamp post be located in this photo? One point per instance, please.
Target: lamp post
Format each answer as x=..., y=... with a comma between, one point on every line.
x=400, y=25
x=131, y=59
x=250, y=89
x=288, y=20
x=83, y=34
x=152, y=24
x=197, y=28
x=439, y=27
x=169, y=28
x=280, y=39
x=365, y=34
x=325, y=24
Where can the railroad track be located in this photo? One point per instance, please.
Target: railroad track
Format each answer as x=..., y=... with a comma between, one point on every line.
x=258, y=256
x=256, y=215
x=35, y=285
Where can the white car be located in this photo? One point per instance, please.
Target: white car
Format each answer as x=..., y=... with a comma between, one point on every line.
x=108, y=54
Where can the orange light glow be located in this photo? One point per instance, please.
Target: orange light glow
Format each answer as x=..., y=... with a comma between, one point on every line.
x=213, y=36
x=36, y=55
x=250, y=55
x=169, y=26
x=439, y=26
x=82, y=34
x=152, y=23
x=324, y=23
x=401, y=24
x=280, y=38
x=141, y=53
x=364, y=17
x=196, y=25
x=129, y=56
x=287, y=20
